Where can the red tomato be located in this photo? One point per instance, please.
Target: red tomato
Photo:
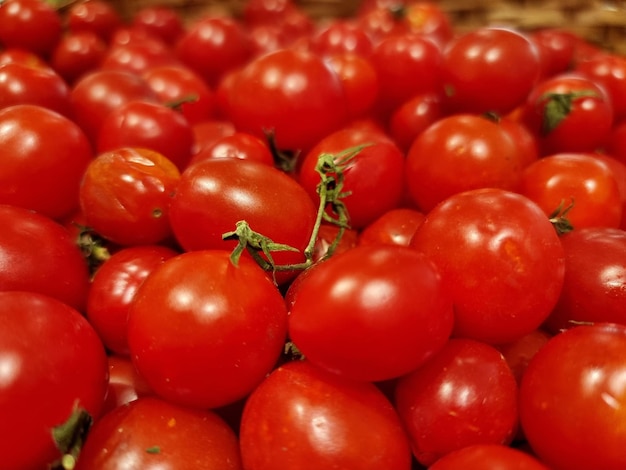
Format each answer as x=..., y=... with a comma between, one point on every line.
x=238, y=145
x=581, y=179
x=489, y=70
x=594, y=290
x=413, y=117
x=493, y=456
x=519, y=353
x=394, y=227
x=53, y=364
x=151, y=433
x=207, y=133
x=29, y=24
x=77, y=54
x=22, y=56
x=618, y=168
x=125, y=195
x=501, y=259
x=125, y=384
x=138, y=56
x=572, y=399
x=305, y=418
x=39, y=255
x=459, y=153
x=290, y=92
x=113, y=290
x=96, y=16
x=160, y=21
x=608, y=70
x=464, y=395
x=360, y=300
x=341, y=36
x=430, y=19
x=266, y=11
x=204, y=332
x=44, y=156
x=556, y=50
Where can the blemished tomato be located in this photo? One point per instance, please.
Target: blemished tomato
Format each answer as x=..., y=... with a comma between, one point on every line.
x=574, y=178
x=372, y=313
x=125, y=384
x=465, y=394
x=53, y=364
x=113, y=290
x=594, y=290
x=394, y=227
x=97, y=16
x=204, y=332
x=29, y=24
x=492, y=456
x=77, y=54
x=459, y=153
x=501, y=259
x=152, y=434
x=125, y=195
x=489, y=70
x=44, y=156
x=39, y=255
x=306, y=418
x=572, y=399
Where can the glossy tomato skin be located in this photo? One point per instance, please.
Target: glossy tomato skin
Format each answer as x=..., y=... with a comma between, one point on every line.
x=414, y=116
x=204, y=332
x=572, y=399
x=465, y=394
x=97, y=16
x=595, y=279
x=214, y=194
x=303, y=417
x=609, y=70
x=556, y=50
x=489, y=69
x=138, y=56
x=353, y=315
x=155, y=434
x=500, y=257
x=125, y=195
x=160, y=21
x=238, y=145
x=394, y=227
x=54, y=363
x=39, y=255
x=31, y=25
x=113, y=289
x=494, y=456
x=77, y=54
x=44, y=156
x=125, y=384
x=289, y=92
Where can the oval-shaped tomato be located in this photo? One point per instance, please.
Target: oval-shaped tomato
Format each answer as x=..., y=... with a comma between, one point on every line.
x=306, y=418
x=573, y=396
x=501, y=259
x=30, y=24
x=238, y=145
x=204, y=332
x=97, y=16
x=464, y=395
x=372, y=313
x=150, y=433
x=492, y=456
x=53, y=365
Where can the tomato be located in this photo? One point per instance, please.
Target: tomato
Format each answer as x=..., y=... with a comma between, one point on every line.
x=414, y=116
x=153, y=434
x=459, y=153
x=207, y=133
x=290, y=92
x=327, y=237
x=578, y=179
x=214, y=194
x=303, y=417
x=489, y=70
x=501, y=259
x=39, y=255
x=430, y=19
x=53, y=364
x=44, y=156
x=160, y=21
x=556, y=49
x=238, y=145
x=608, y=70
x=77, y=54
x=125, y=384
x=519, y=352
x=481, y=456
x=352, y=315
x=572, y=399
x=146, y=125
x=113, y=289
x=29, y=24
x=394, y=227
x=569, y=113
x=212, y=46
x=340, y=37
x=22, y=56
x=96, y=16
x=618, y=168
x=373, y=177
x=204, y=332
x=595, y=279
x=465, y=394
x=138, y=56
x=266, y=11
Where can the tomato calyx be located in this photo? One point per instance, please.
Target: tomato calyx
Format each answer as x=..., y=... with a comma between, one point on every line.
x=176, y=105
x=331, y=209
x=559, y=219
x=70, y=436
x=285, y=160
x=93, y=247
x=559, y=105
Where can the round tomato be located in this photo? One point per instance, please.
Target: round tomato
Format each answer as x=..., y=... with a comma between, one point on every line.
x=238, y=145
x=160, y=21
x=77, y=54
x=414, y=116
x=138, y=56
x=340, y=37
x=125, y=384
x=609, y=70
x=572, y=399
x=493, y=456
x=394, y=227
x=29, y=24
x=97, y=16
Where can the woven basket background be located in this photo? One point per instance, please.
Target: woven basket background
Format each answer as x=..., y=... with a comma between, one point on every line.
x=600, y=21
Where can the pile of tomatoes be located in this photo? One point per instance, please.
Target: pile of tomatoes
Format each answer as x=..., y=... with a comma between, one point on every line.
x=274, y=242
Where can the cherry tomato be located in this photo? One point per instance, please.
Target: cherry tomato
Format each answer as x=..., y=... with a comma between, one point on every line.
x=572, y=399
x=394, y=227
x=161, y=21
x=618, y=168
x=77, y=54
x=608, y=70
x=44, y=156
x=29, y=24
x=340, y=37
x=556, y=50
x=207, y=133
x=413, y=117
x=138, y=56
x=96, y=16
x=53, y=365
x=464, y=395
x=152, y=433
x=352, y=314
x=501, y=259
x=238, y=145
x=481, y=456
x=519, y=352
x=266, y=11
x=113, y=290
x=290, y=421
x=125, y=384
x=204, y=332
